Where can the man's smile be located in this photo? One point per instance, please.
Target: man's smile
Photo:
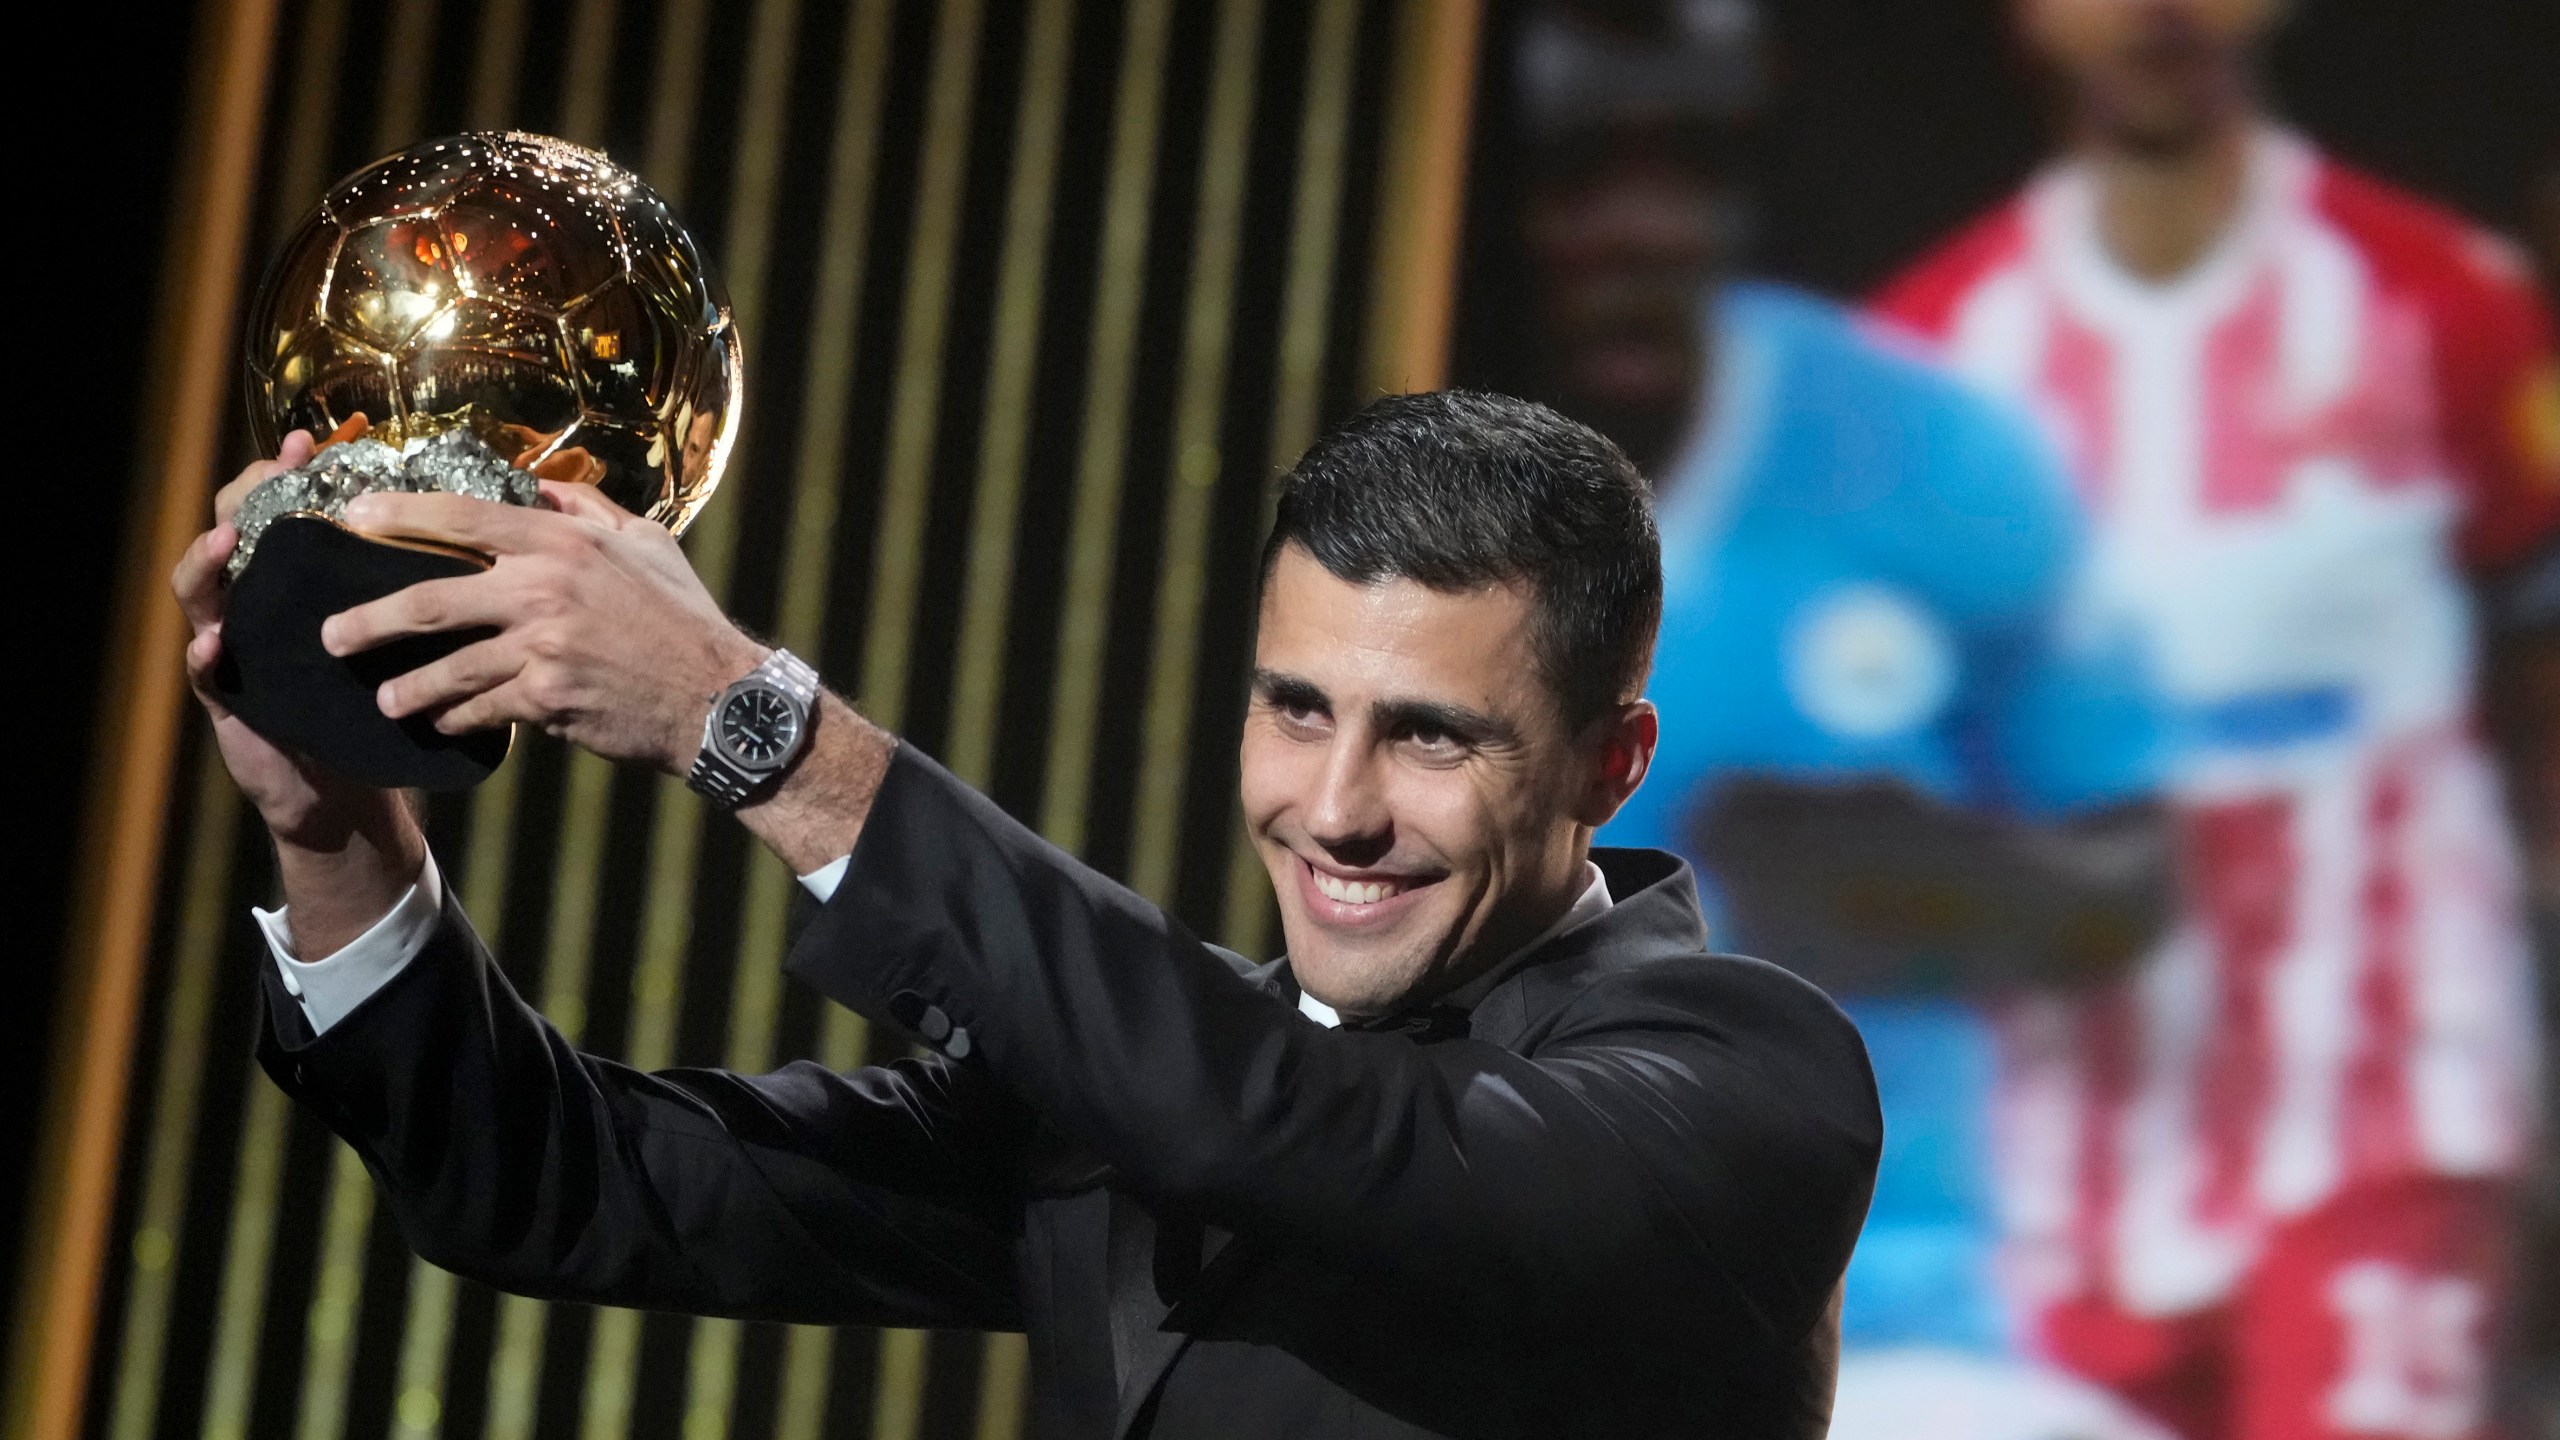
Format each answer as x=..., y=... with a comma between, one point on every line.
x=1360, y=899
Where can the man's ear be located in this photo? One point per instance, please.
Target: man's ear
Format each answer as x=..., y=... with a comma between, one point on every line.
x=1620, y=744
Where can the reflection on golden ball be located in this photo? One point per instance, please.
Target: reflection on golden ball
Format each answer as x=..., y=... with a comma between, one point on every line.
x=523, y=286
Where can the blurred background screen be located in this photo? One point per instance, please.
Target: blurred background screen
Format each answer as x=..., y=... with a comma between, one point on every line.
x=2105, y=455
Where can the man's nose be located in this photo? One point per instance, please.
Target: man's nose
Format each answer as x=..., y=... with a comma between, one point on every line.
x=1349, y=814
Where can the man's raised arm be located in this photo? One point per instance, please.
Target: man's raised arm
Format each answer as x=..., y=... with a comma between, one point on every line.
x=1688, y=1141
x=881, y=1197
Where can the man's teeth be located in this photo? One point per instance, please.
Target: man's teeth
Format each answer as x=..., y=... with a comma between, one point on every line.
x=1355, y=892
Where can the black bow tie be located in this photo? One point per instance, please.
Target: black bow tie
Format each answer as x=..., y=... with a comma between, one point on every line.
x=1422, y=1024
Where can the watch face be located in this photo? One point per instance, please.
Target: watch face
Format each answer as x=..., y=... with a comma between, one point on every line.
x=757, y=727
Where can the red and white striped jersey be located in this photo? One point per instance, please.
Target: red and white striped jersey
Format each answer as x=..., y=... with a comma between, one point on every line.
x=2292, y=454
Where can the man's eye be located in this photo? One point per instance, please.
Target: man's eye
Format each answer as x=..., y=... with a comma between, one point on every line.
x=1431, y=738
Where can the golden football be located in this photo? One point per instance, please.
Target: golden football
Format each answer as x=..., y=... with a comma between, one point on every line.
x=522, y=286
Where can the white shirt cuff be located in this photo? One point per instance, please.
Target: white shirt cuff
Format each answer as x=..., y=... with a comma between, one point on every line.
x=330, y=988
x=822, y=882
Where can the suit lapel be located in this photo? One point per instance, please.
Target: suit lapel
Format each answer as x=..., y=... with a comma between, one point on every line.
x=1655, y=916
x=1141, y=1346
x=1164, y=1276
x=1163, y=1273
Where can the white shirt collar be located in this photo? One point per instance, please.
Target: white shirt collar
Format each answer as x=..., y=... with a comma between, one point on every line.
x=1594, y=901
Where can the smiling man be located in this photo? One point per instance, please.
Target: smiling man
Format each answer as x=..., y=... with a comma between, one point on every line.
x=1499, y=1149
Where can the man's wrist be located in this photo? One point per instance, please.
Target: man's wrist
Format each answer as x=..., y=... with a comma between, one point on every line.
x=338, y=884
x=815, y=815
x=334, y=986
x=735, y=655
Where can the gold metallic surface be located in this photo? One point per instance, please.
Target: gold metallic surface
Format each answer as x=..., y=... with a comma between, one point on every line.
x=526, y=287
x=111, y=914
x=1422, y=194
x=1004, y=451
x=204, y=920
x=818, y=471
x=1084, y=610
x=751, y=135
x=1198, y=470
x=758, y=181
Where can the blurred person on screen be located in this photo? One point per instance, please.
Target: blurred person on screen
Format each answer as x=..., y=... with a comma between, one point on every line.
x=1907, y=764
x=2263, y=1186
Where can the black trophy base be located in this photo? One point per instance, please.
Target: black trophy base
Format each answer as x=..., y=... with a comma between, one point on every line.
x=275, y=675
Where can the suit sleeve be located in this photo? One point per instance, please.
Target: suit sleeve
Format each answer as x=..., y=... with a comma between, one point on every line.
x=1692, y=1147
x=883, y=1197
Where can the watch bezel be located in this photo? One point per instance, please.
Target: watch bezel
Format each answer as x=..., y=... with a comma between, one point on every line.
x=792, y=705
x=729, y=779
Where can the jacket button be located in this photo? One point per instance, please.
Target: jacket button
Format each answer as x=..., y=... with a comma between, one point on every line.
x=933, y=1025
x=957, y=1047
x=908, y=1009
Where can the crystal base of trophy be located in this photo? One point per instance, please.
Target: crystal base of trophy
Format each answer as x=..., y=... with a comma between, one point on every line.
x=276, y=676
x=297, y=564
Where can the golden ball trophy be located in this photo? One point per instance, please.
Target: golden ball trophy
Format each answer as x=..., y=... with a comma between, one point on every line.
x=469, y=315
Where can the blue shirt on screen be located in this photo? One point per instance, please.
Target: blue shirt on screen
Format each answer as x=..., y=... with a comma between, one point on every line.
x=1869, y=571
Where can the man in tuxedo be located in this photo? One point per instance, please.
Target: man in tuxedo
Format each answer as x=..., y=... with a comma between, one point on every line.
x=1498, y=1149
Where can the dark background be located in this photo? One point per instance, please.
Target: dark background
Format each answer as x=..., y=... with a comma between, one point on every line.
x=1893, y=122
x=88, y=211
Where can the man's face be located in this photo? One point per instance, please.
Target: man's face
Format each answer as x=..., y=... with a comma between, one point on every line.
x=1409, y=783
x=1625, y=239
x=2150, y=74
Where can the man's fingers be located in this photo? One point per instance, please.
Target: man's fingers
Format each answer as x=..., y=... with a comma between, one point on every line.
x=420, y=609
x=296, y=449
x=204, y=652
x=585, y=502
x=482, y=525
x=503, y=705
x=197, y=581
x=461, y=676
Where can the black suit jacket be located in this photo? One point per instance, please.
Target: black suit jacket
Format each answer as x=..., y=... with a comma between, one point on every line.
x=1615, y=1199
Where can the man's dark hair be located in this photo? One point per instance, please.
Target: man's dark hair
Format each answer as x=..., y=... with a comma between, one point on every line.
x=1459, y=490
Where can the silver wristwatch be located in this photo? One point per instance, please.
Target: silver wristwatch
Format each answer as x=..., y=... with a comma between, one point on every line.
x=756, y=729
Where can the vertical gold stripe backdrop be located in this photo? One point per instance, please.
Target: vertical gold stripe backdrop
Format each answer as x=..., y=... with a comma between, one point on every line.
x=1038, y=296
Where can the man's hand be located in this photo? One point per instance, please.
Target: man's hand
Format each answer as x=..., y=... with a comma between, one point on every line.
x=345, y=851
x=605, y=637
x=298, y=800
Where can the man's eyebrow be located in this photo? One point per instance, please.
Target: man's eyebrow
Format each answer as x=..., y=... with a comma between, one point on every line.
x=1294, y=691
x=1475, y=726
x=1462, y=721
